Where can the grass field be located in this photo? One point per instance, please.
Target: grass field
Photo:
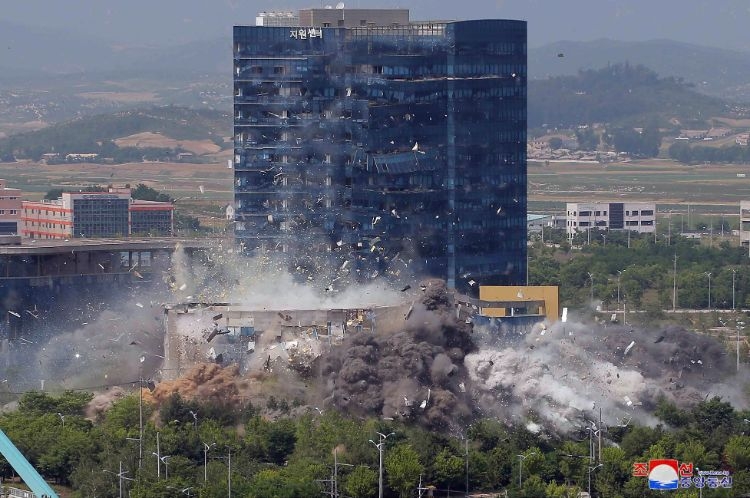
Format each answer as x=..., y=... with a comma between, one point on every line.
x=708, y=189
x=181, y=181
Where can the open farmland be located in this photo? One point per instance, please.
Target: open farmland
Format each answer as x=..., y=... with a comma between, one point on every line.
x=709, y=189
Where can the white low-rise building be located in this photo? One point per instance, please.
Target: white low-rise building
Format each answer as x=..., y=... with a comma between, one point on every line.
x=634, y=216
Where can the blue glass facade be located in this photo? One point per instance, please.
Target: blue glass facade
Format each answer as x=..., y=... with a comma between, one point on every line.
x=379, y=144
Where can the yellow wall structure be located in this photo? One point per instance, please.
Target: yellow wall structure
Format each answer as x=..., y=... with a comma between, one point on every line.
x=522, y=294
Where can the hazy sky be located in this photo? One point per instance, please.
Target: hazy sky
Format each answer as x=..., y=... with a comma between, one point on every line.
x=720, y=23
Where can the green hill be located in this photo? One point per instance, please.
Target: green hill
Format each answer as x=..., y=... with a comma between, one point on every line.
x=96, y=134
x=620, y=94
x=714, y=71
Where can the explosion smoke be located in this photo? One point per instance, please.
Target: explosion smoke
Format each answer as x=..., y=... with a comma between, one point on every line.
x=409, y=370
x=563, y=376
x=422, y=364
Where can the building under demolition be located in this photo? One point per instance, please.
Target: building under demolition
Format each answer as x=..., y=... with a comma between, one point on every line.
x=372, y=139
x=257, y=339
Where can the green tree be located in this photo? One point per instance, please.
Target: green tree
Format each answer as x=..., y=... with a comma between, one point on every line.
x=587, y=138
x=555, y=143
x=281, y=441
x=449, y=469
x=361, y=482
x=737, y=452
x=403, y=469
x=146, y=193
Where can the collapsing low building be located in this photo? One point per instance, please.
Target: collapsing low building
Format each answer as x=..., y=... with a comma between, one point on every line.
x=255, y=339
x=374, y=139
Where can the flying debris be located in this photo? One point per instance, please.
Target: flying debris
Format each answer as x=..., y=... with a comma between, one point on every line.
x=409, y=312
x=630, y=346
x=17, y=315
x=561, y=55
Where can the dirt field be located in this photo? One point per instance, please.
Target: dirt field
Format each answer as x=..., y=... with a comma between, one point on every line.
x=148, y=139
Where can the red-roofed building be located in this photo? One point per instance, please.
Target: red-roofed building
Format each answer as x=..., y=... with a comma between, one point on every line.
x=96, y=214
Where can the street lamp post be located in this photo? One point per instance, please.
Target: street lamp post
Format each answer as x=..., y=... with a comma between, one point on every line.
x=380, y=445
x=158, y=458
x=591, y=276
x=521, y=458
x=591, y=469
x=206, y=447
x=140, y=411
x=674, y=284
x=708, y=274
x=619, y=275
x=734, y=274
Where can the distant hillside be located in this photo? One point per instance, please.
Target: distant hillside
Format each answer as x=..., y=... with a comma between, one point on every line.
x=619, y=94
x=713, y=71
x=98, y=134
x=34, y=51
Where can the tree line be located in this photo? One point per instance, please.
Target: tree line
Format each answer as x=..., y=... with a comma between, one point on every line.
x=691, y=154
x=645, y=270
x=288, y=450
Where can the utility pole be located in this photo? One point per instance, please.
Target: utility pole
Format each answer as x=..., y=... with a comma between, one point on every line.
x=467, y=460
x=599, y=453
x=738, y=347
x=140, y=412
x=674, y=285
x=336, y=466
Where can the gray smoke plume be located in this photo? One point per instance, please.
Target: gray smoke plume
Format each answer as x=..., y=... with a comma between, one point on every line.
x=562, y=376
x=411, y=368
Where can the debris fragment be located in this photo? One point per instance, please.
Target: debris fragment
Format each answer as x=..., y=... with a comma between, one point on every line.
x=630, y=346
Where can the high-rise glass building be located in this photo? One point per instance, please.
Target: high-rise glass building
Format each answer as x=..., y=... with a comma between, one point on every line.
x=385, y=143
